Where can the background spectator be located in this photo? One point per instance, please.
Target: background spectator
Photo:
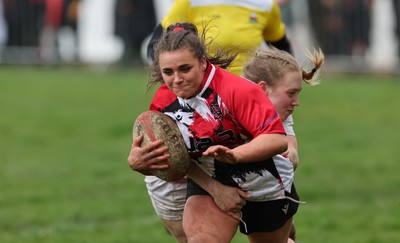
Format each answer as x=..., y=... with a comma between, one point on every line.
x=396, y=6
x=341, y=27
x=134, y=20
x=25, y=20
x=3, y=26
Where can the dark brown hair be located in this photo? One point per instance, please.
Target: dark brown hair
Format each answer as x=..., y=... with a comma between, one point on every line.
x=185, y=35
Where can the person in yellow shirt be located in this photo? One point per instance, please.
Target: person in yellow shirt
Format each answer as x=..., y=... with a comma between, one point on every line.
x=235, y=25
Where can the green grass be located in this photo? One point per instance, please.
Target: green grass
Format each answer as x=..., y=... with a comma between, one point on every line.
x=65, y=135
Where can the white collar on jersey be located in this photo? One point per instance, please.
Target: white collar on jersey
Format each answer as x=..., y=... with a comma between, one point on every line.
x=198, y=103
x=209, y=79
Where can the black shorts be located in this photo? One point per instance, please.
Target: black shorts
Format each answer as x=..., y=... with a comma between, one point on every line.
x=260, y=216
x=269, y=215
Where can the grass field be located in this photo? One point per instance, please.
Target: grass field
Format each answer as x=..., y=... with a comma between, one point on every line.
x=65, y=135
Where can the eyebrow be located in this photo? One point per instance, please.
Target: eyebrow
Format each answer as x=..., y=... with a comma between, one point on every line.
x=185, y=65
x=181, y=66
x=294, y=89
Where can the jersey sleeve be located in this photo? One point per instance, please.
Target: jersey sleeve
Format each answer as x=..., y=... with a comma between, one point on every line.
x=253, y=109
x=162, y=98
x=275, y=29
x=179, y=12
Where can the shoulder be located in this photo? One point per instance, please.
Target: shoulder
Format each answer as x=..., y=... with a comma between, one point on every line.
x=162, y=98
x=228, y=81
x=234, y=89
x=164, y=92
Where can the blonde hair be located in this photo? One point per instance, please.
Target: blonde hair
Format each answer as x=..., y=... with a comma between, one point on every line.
x=270, y=65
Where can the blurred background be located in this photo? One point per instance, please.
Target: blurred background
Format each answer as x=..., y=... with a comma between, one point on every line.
x=73, y=80
x=356, y=35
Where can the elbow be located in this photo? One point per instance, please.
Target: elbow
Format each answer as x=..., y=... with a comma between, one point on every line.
x=283, y=146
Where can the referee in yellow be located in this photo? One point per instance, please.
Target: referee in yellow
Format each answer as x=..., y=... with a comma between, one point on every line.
x=240, y=25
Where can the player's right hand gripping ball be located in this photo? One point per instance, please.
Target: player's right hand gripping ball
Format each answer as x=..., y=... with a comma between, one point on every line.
x=155, y=125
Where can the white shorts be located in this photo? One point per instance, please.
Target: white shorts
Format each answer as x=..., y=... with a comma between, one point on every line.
x=168, y=198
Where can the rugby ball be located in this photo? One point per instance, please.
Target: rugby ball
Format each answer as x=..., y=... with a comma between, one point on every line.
x=155, y=125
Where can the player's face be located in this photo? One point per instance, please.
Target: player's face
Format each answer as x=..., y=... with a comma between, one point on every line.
x=182, y=72
x=285, y=95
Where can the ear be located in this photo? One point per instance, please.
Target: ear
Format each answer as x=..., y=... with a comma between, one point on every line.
x=264, y=86
x=203, y=63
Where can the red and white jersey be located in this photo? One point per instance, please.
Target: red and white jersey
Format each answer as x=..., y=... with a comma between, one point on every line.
x=288, y=125
x=229, y=111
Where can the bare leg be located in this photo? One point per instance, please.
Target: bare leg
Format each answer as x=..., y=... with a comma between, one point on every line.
x=293, y=232
x=176, y=230
x=203, y=221
x=280, y=235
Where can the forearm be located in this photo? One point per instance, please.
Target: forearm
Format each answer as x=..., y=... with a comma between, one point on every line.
x=260, y=148
x=201, y=178
x=228, y=199
x=283, y=44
